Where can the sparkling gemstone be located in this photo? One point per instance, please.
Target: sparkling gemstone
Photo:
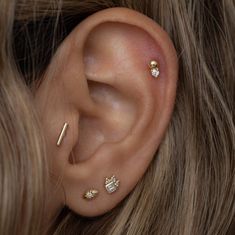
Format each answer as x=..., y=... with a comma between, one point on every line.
x=111, y=184
x=111, y=187
x=155, y=72
x=91, y=194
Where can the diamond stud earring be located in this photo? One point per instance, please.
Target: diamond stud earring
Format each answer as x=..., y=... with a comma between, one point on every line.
x=111, y=184
x=90, y=194
x=154, y=68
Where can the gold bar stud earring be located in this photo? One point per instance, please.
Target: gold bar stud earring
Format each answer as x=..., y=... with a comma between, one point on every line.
x=62, y=134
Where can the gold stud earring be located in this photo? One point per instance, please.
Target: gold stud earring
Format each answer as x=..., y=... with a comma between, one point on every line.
x=154, y=68
x=62, y=134
x=90, y=194
x=112, y=184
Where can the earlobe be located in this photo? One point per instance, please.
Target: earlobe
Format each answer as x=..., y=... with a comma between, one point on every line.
x=119, y=81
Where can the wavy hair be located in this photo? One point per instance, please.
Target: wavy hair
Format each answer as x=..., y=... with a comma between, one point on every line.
x=189, y=187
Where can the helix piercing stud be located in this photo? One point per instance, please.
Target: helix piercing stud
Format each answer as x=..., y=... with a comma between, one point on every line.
x=91, y=194
x=111, y=184
x=153, y=65
x=62, y=134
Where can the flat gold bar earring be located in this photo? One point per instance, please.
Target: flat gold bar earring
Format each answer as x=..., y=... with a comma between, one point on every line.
x=153, y=65
x=62, y=134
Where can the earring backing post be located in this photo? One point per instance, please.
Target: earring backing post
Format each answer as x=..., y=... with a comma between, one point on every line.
x=62, y=134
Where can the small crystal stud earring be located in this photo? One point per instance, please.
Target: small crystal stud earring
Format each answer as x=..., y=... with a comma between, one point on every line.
x=111, y=184
x=154, y=68
x=90, y=194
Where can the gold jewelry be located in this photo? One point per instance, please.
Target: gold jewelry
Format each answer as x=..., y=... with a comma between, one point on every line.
x=62, y=134
x=90, y=194
x=111, y=184
x=153, y=65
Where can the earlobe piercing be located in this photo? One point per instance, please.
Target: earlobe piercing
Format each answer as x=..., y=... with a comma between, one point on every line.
x=62, y=134
x=90, y=194
x=111, y=184
x=154, y=68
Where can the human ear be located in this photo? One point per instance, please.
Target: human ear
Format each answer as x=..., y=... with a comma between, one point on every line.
x=100, y=83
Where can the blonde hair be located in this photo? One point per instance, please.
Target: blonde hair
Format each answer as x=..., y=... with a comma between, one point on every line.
x=189, y=186
x=22, y=163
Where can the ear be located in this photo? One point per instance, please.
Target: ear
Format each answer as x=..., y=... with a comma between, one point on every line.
x=100, y=83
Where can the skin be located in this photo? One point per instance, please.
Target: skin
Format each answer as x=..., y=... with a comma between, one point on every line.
x=100, y=83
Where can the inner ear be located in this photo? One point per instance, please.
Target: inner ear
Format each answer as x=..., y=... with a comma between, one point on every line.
x=114, y=55
x=117, y=119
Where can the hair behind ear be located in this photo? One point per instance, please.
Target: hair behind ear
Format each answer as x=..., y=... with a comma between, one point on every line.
x=23, y=171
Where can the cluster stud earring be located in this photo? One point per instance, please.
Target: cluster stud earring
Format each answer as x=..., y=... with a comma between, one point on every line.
x=111, y=184
x=153, y=65
x=90, y=194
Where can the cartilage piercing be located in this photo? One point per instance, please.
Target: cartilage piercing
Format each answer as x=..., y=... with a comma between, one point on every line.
x=153, y=65
x=90, y=194
x=62, y=134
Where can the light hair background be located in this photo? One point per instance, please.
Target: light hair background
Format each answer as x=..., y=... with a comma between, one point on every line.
x=189, y=188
